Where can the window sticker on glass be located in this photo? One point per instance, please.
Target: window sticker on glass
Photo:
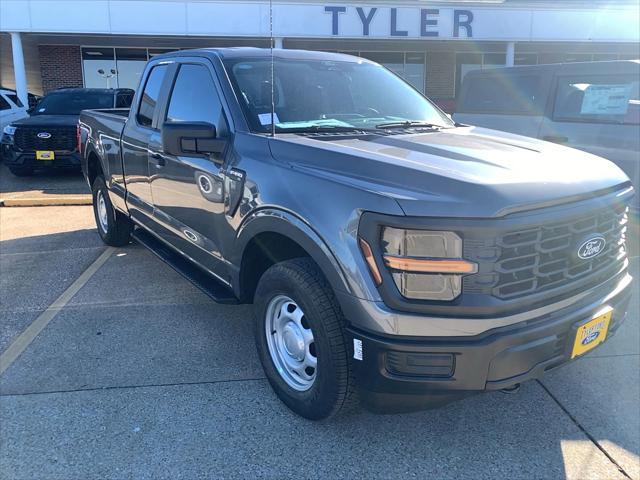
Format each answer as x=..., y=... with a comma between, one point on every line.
x=265, y=118
x=606, y=99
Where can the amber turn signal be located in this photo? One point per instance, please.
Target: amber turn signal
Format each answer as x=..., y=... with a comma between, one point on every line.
x=371, y=263
x=430, y=266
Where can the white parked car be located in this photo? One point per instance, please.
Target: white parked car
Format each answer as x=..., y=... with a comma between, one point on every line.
x=11, y=108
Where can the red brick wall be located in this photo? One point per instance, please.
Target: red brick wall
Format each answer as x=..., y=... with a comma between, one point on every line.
x=60, y=66
x=441, y=75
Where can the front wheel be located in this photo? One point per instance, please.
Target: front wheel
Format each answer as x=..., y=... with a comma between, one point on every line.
x=301, y=340
x=114, y=227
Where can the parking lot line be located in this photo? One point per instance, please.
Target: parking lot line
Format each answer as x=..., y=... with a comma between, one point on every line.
x=31, y=332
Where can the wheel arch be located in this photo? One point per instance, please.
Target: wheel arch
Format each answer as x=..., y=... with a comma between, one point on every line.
x=280, y=235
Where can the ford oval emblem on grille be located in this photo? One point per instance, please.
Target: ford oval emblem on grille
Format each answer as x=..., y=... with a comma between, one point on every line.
x=592, y=247
x=44, y=135
x=591, y=337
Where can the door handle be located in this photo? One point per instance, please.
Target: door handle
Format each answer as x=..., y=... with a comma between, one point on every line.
x=555, y=139
x=159, y=159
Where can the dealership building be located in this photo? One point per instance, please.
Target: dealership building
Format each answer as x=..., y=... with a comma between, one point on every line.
x=49, y=44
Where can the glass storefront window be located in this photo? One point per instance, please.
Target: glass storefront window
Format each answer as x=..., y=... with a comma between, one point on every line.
x=159, y=51
x=409, y=66
x=130, y=63
x=414, y=71
x=116, y=67
x=99, y=67
x=525, y=59
x=493, y=60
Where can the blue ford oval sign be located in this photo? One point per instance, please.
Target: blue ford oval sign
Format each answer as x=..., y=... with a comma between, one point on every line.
x=592, y=247
x=44, y=135
x=591, y=337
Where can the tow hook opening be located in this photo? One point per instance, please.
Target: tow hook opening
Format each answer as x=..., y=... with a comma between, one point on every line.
x=511, y=390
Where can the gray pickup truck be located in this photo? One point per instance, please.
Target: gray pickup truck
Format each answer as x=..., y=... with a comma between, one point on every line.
x=392, y=255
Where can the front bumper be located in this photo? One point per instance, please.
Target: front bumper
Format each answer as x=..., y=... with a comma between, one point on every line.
x=19, y=158
x=411, y=373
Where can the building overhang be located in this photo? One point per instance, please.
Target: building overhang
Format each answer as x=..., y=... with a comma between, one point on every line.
x=514, y=20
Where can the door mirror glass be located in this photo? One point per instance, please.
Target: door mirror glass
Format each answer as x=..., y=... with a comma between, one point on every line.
x=189, y=138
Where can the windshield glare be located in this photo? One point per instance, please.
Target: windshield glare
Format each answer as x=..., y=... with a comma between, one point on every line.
x=71, y=103
x=325, y=93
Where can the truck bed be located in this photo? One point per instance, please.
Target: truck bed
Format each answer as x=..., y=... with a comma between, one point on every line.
x=102, y=129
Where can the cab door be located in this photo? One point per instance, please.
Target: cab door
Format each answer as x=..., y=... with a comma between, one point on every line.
x=188, y=190
x=138, y=132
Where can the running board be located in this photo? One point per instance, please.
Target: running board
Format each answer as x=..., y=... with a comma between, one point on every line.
x=212, y=287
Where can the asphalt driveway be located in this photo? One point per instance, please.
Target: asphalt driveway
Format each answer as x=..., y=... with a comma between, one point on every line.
x=140, y=375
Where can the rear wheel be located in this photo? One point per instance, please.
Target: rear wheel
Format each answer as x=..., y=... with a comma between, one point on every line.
x=301, y=340
x=113, y=226
x=20, y=171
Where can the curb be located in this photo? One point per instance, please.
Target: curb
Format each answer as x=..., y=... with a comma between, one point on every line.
x=54, y=200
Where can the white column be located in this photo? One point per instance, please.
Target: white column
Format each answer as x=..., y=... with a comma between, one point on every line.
x=277, y=42
x=19, y=70
x=511, y=54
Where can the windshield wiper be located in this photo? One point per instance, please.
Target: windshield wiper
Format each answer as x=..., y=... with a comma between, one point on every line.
x=320, y=129
x=408, y=124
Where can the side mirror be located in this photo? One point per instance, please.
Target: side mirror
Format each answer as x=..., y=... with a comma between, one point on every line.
x=187, y=138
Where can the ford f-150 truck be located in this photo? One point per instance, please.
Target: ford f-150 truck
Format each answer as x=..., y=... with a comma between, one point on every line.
x=392, y=255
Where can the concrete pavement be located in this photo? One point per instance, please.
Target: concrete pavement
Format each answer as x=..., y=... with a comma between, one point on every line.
x=140, y=375
x=44, y=188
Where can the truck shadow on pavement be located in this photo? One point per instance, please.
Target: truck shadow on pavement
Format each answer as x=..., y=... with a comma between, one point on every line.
x=52, y=182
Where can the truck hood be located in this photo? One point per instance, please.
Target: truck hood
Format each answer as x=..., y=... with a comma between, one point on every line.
x=463, y=171
x=48, y=121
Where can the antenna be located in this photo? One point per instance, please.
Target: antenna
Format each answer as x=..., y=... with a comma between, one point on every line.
x=271, y=42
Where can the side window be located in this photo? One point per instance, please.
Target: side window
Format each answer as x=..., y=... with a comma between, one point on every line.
x=598, y=99
x=503, y=95
x=4, y=105
x=195, y=99
x=14, y=98
x=150, y=95
x=123, y=99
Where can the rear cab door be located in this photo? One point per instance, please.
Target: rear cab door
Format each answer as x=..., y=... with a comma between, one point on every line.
x=189, y=190
x=141, y=131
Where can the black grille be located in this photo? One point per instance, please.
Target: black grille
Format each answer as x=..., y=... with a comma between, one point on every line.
x=531, y=260
x=62, y=138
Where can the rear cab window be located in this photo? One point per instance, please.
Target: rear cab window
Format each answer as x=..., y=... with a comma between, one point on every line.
x=150, y=95
x=4, y=105
x=503, y=94
x=598, y=99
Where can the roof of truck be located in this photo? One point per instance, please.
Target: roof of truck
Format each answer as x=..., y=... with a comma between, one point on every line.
x=90, y=90
x=253, y=52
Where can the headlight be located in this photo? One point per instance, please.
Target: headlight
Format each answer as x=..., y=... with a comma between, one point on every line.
x=9, y=130
x=425, y=265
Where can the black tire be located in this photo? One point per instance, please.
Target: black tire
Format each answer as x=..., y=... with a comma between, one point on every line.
x=117, y=231
x=20, y=171
x=333, y=388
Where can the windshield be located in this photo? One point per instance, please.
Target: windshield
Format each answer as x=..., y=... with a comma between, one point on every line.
x=70, y=103
x=312, y=94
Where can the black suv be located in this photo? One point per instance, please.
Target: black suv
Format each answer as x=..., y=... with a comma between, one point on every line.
x=47, y=139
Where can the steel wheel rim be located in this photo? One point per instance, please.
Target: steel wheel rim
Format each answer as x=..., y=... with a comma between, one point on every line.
x=291, y=343
x=103, y=217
